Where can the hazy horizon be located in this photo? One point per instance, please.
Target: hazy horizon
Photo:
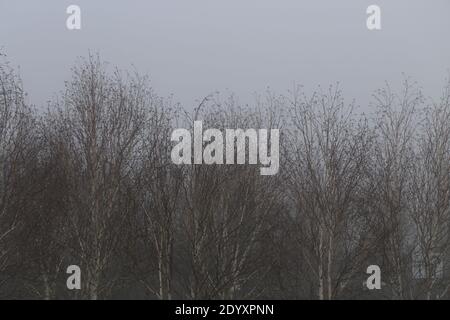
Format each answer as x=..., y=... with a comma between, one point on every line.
x=191, y=49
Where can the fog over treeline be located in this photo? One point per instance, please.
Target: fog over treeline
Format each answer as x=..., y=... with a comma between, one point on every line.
x=192, y=48
x=90, y=182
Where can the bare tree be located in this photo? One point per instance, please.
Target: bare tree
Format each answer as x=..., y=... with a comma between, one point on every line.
x=158, y=186
x=328, y=154
x=228, y=211
x=101, y=119
x=393, y=169
x=17, y=154
x=430, y=203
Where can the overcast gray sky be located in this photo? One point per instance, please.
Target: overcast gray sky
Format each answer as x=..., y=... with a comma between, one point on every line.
x=193, y=47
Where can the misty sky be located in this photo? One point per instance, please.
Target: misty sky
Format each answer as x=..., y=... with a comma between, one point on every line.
x=194, y=47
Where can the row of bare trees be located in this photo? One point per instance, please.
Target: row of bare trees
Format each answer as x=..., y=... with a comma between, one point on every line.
x=90, y=182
